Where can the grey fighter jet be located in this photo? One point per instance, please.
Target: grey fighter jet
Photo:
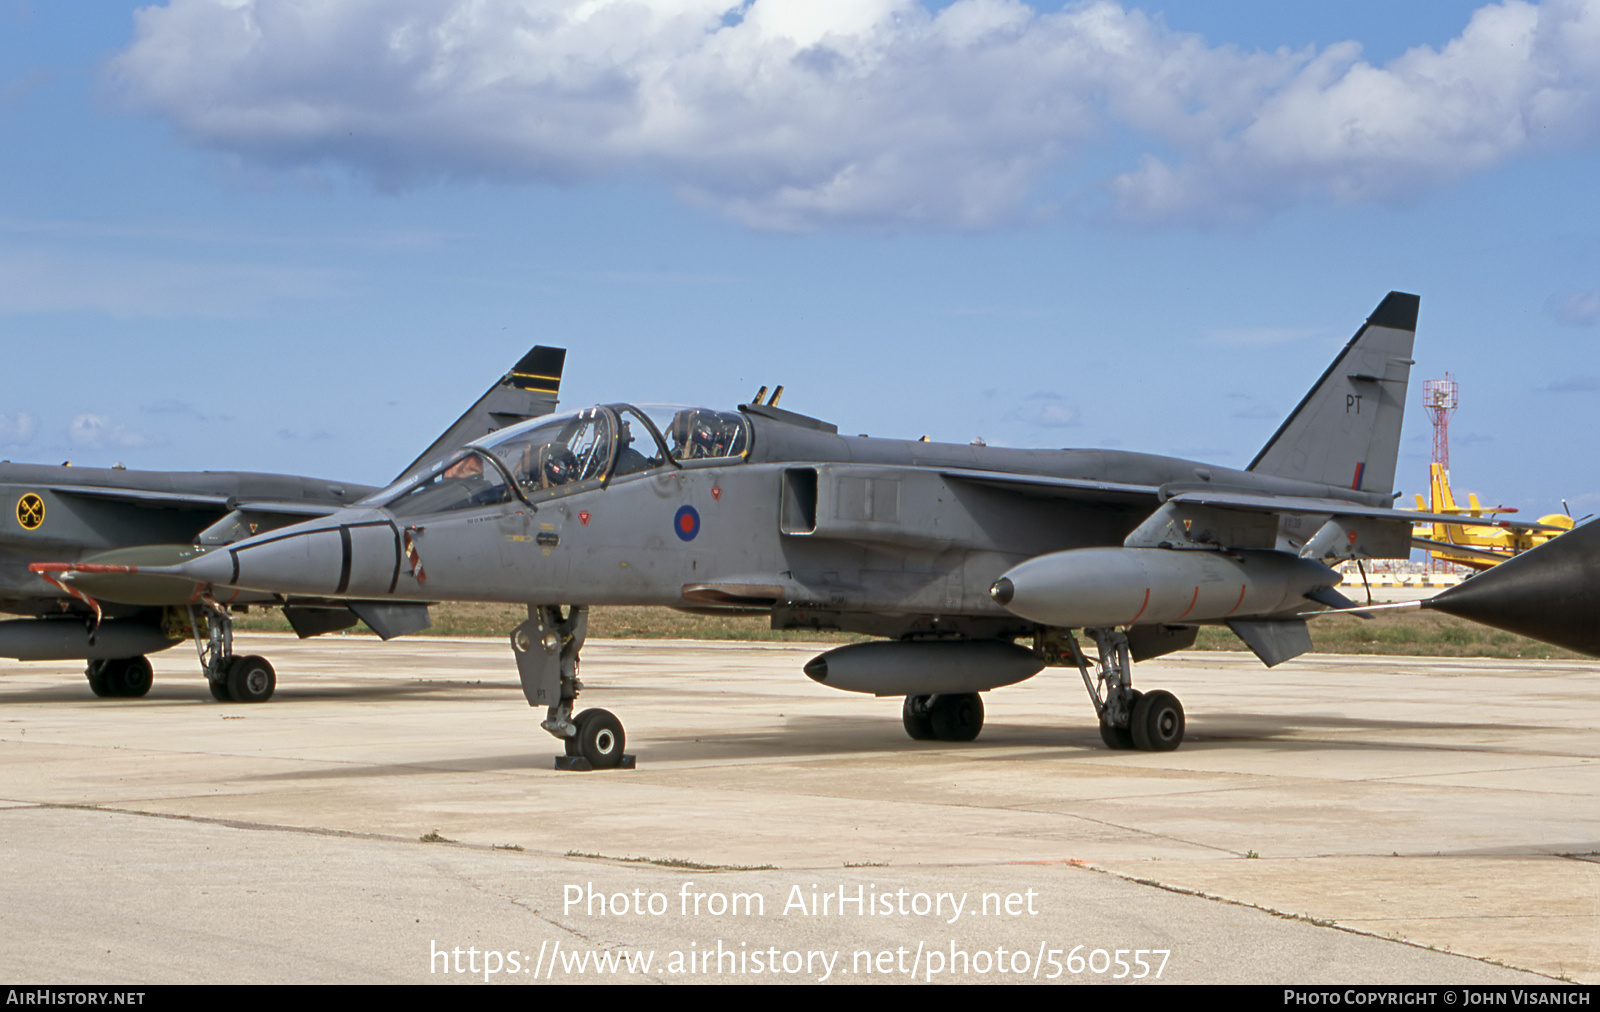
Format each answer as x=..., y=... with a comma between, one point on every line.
x=976, y=566
x=69, y=535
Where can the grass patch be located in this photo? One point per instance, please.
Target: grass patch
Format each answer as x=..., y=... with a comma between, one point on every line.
x=1416, y=633
x=1426, y=634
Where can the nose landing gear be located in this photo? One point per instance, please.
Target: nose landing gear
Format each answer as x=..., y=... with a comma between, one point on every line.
x=231, y=678
x=546, y=647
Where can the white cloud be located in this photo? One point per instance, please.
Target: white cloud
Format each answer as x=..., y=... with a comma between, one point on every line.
x=803, y=113
x=92, y=430
x=1520, y=77
x=16, y=431
x=1577, y=309
x=1048, y=411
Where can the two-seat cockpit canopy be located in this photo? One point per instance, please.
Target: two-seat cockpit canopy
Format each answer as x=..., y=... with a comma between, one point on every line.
x=560, y=454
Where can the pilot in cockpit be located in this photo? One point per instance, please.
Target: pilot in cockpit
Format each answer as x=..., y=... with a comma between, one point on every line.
x=629, y=460
x=698, y=434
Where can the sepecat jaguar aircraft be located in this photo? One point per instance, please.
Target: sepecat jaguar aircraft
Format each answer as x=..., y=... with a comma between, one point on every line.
x=975, y=566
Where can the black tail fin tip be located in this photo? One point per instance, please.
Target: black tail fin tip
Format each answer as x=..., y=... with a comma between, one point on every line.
x=1551, y=593
x=1397, y=311
x=540, y=369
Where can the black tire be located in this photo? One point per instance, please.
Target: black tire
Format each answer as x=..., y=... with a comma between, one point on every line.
x=251, y=679
x=957, y=717
x=135, y=678
x=219, y=689
x=1119, y=738
x=600, y=738
x=918, y=723
x=1157, y=724
x=98, y=682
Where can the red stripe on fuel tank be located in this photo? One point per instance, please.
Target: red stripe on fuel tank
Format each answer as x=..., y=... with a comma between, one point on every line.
x=1142, y=607
x=1192, y=601
x=1237, y=603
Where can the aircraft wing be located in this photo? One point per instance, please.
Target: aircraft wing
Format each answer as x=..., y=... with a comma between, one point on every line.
x=1462, y=551
x=200, y=500
x=1312, y=526
x=1045, y=486
x=144, y=497
x=1310, y=506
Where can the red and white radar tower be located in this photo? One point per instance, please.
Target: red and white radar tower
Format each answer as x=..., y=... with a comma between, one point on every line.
x=1439, y=397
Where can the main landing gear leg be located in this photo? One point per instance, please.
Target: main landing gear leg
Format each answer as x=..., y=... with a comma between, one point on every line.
x=1129, y=718
x=233, y=679
x=546, y=647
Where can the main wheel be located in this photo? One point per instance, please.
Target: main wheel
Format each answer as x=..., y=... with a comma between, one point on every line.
x=600, y=738
x=914, y=715
x=957, y=717
x=219, y=689
x=135, y=677
x=1157, y=723
x=251, y=679
x=98, y=682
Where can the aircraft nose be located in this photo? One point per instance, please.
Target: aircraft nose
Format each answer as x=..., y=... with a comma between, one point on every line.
x=356, y=557
x=304, y=562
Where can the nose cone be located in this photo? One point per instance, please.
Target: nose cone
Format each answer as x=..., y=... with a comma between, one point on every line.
x=1003, y=591
x=351, y=553
x=817, y=668
x=130, y=575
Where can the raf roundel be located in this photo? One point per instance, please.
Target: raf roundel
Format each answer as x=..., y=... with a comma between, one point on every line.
x=686, y=524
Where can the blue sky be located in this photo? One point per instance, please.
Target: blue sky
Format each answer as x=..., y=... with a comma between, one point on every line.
x=270, y=236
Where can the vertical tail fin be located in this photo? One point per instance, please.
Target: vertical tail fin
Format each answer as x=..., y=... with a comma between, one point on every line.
x=527, y=391
x=1346, y=432
x=1443, y=501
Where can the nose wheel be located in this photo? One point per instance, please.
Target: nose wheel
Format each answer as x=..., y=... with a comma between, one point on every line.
x=600, y=739
x=546, y=647
x=231, y=678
